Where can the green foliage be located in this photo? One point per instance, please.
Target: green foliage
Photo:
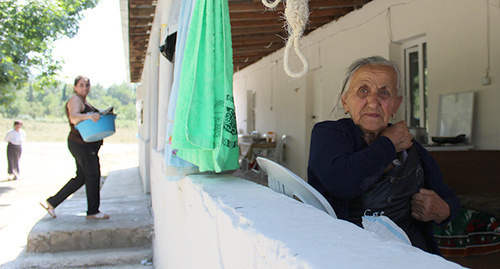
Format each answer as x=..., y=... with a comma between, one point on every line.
x=29, y=28
x=122, y=97
x=49, y=102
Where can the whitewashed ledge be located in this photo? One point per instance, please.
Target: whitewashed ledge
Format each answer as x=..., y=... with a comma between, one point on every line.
x=221, y=221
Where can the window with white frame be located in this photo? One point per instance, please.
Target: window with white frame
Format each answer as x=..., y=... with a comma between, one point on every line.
x=250, y=111
x=415, y=55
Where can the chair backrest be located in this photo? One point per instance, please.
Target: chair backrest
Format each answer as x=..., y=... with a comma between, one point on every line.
x=285, y=181
x=279, y=154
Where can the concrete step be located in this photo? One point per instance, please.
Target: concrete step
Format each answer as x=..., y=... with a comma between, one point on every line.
x=74, y=232
x=130, y=224
x=109, y=258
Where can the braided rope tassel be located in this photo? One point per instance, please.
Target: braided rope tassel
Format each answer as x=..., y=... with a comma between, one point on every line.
x=271, y=5
x=296, y=15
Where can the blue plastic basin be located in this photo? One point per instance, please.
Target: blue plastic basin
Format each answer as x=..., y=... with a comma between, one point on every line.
x=95, y=131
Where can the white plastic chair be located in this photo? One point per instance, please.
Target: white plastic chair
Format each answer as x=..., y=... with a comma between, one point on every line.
x=285, y=181
x=279, y=152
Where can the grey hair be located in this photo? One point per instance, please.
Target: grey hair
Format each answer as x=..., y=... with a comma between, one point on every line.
x=373, y=60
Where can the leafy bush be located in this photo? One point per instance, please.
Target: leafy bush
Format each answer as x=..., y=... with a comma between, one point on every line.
x=50, y=103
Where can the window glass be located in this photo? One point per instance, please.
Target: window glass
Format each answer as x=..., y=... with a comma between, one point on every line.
x=426, y=122
x=416, y=84
x=414, y=92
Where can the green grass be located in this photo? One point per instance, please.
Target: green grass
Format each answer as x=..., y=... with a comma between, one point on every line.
x=51, y=130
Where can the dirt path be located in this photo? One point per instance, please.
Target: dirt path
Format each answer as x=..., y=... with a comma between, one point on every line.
x=45, y=168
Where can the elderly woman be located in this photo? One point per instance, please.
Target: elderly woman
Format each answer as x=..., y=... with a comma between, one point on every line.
x=86, y=156
x=365, y=165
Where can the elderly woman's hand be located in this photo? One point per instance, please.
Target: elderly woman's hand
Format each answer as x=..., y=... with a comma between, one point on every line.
x=426, y=205
x=399, y=135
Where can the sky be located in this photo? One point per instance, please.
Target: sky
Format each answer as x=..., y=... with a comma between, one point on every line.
x=97, y=51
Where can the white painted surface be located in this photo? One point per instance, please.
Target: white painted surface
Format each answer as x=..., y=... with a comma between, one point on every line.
x=220, y=221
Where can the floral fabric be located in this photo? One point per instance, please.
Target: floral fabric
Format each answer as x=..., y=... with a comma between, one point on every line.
x=470, y=233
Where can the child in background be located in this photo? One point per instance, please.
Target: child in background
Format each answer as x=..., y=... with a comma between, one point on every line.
x=15, y=138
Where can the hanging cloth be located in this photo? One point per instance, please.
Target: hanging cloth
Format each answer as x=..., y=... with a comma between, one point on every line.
x=168, y=48
x=205, y=126
x=177, y=168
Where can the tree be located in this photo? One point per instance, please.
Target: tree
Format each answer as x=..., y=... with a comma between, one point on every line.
x=28, y=28
x=122, y=92
x=49, y=103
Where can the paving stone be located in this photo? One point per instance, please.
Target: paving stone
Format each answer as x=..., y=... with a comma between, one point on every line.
x=38, y=243
x=25, y=225
x=101, y=239
x=106, y=258
x=71, y=241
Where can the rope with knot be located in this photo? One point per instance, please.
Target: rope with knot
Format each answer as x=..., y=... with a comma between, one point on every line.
x=296, y=15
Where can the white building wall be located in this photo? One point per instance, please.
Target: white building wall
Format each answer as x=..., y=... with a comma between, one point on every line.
x=154, y=93
x=143, y=104
x=153, y=60
x=456, y=33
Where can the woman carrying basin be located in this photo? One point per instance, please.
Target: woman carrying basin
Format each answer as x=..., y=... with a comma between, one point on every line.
x=88, y=171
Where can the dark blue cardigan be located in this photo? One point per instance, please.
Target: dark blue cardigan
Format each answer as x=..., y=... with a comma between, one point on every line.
x=341, y=167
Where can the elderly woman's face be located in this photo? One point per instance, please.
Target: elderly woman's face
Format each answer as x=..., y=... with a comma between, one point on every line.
x=372, y=99
x=82, y=88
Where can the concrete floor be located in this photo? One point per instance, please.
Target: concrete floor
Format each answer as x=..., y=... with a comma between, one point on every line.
x=45, y=168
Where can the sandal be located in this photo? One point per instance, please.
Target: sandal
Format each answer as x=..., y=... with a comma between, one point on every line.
x=99, y=215
x=50, y=209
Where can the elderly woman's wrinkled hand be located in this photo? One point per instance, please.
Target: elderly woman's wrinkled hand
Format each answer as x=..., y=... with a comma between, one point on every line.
x=427, y=205
x=399, y=135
